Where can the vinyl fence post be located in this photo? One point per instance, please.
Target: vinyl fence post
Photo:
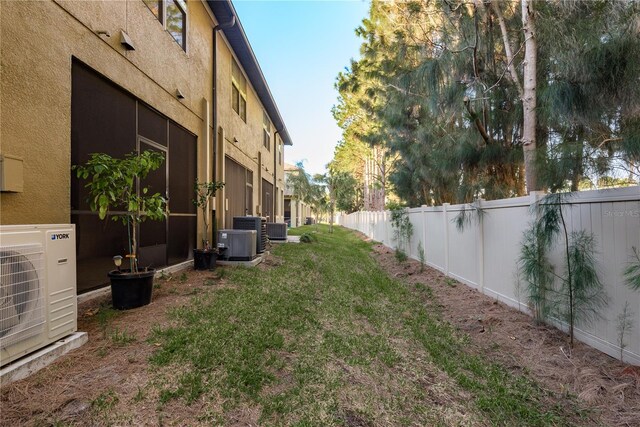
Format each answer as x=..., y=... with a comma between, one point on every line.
x=386, y=228
x=445, y=223
x=423, y=217
x=480, y=243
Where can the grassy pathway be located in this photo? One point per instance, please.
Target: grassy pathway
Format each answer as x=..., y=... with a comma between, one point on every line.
x=327, y=338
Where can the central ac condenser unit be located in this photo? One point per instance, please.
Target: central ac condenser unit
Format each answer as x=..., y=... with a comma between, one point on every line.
x=276, y=231
x=237, y=245
x=38, y=303
x=253, y=223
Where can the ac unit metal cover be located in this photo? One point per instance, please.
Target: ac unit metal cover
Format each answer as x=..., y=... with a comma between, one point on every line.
x=253, y=223
x=237, y=245
x=38, y=302
x=277, y=231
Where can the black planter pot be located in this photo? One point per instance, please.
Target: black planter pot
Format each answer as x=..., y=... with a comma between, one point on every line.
x=131, y=290
x=204, y=260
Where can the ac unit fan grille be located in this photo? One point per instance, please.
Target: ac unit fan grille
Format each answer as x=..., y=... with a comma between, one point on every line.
x=21, y=293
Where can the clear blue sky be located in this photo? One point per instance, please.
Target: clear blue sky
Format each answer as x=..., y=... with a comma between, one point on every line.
x=301, y=46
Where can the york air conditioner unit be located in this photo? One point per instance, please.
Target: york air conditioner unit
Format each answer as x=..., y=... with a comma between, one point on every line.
x=277, y=231
x=38, y=303
x=237, y=245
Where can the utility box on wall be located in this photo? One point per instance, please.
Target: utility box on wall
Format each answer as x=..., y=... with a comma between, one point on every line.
x=11, y=175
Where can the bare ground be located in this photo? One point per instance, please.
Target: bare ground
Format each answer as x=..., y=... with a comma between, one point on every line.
x=108, y=380
x=500, y=333
x=109, y=375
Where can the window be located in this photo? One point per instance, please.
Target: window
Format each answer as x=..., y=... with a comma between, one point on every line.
x=156, y=7
x=279, y=152
x=266, y=134
x=176, y=21
x=235, y=98
x=238, y=91
x=172, y=14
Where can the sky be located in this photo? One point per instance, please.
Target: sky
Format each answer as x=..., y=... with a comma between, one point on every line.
x=301, y=47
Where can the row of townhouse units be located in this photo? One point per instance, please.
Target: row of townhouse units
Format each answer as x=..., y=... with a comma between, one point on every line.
x=175, y=76
x=296, y=211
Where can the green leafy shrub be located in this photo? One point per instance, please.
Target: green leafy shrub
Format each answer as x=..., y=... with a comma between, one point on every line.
x=307, y=238
x=402, y=229
x=113, y=185
x=401, y=256
x=579, y=294
x=421, y=256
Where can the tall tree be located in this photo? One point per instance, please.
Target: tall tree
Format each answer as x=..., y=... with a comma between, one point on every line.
x=467, y=103
x=529, y=93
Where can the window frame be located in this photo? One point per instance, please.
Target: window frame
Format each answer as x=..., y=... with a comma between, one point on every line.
x=182, y=8
x=266, y=131
x=181, y=5
x=238, y=96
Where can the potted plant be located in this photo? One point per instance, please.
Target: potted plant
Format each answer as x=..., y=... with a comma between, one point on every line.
x=205, y=258
x=112, y=184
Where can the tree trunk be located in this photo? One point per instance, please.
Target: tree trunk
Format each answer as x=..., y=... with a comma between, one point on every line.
x=507, y=47
x=133, y=248
x=529, y=95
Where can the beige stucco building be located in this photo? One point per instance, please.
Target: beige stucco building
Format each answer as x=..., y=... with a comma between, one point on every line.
x=176, y=76
x=296, y=211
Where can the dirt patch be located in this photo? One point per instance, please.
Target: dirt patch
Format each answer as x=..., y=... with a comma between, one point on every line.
x=500, y=333
x=107, y=380
x=269, y=261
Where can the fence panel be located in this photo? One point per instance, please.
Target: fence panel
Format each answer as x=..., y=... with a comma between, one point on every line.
x=434, y=246
x=463, y=247
x=503, y=225
x=415, y=216
x=485, y=253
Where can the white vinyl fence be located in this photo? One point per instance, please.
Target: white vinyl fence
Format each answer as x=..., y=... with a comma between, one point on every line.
x=484, y=255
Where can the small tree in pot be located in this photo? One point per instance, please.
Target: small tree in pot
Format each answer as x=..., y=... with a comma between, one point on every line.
x=112, y=184
x=205, y=258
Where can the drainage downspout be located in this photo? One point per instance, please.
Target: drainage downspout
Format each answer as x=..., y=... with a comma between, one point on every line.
x=214, y=102
x=276, y=146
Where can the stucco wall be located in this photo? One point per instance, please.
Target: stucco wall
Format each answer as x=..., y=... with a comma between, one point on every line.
x=39, y=40
x=248, y=135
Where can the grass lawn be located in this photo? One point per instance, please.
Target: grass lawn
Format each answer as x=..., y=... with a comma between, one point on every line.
x=325, y=337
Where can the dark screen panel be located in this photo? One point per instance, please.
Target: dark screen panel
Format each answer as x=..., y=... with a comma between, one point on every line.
x=235, y=190
x=154, y=232
x=267, y=200
x=97, y=242
x=182, y=169
x=154, y=256
x=287, y=209
x=103, y=119
x=152, y=125
x=182, y=176
x=182, y=240
x=249, y=193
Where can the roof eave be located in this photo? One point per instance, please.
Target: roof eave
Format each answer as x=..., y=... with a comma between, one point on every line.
x=223, y=11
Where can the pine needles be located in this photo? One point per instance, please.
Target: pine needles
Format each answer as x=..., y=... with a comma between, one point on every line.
x=575, y=296
x=632, y=272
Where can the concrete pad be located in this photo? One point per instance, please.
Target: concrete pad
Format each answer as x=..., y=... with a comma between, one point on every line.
x=293, y=239
x=42, y=358
x=257, y=260
x=278, y=241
